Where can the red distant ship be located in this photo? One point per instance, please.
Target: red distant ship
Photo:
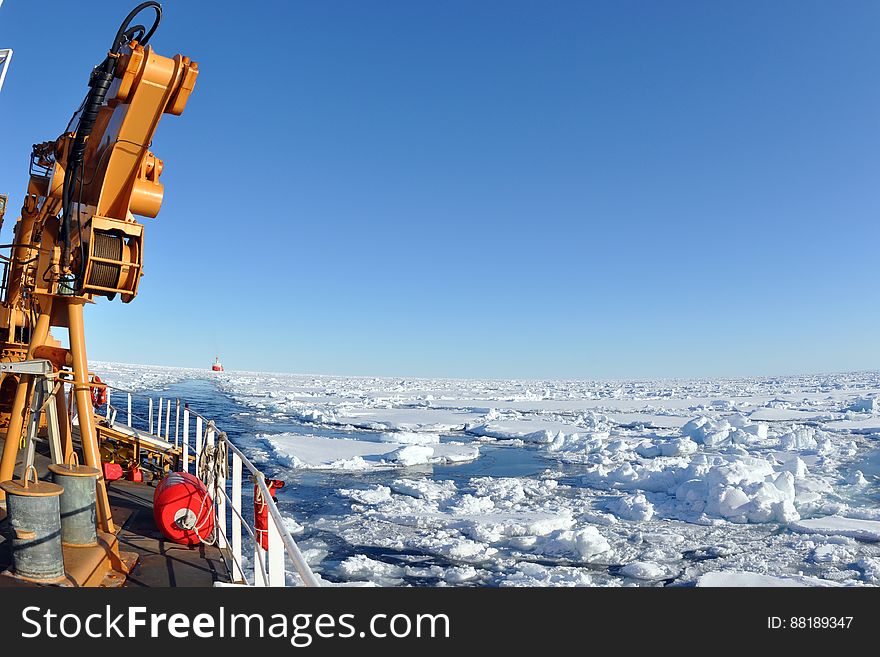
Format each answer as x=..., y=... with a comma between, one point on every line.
x=217, y=366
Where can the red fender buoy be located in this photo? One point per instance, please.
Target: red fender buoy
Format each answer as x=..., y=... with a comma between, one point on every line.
x=261, y=510
x=183, y=509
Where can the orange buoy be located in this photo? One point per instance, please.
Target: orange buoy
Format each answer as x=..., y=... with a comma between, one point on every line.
x=99, y=394
x=183, y=509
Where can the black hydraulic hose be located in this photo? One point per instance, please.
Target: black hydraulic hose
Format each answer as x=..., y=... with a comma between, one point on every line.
x=135, y=33
x=100, y=82
x=99, y=85
x=122, y=38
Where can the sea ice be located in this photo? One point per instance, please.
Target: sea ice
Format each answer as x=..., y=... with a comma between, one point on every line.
x=756, y=580
x=726, y=466
x=644, y=570
x=863, y=530
x=865, y=405
x=631, y=507
x=320, y=453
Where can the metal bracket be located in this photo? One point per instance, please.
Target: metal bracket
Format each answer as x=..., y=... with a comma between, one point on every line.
x=39, y=367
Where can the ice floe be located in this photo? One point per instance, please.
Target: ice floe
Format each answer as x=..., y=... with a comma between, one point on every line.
x=320, y=453
x=865, y=530
x=752, y=580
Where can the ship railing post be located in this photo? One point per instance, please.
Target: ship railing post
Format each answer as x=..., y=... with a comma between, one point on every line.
x=238, y=574
x=184, y=467
x=167, y=418
x=209, y=439
x=260, y=577
x=177, y=422
x=159, y=420
x=108, y=403
x=276, y=554
x=198, y=443
x=129, y=409
x=151, y=415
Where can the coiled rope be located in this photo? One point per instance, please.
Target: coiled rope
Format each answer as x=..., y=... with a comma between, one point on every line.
x=213, y=468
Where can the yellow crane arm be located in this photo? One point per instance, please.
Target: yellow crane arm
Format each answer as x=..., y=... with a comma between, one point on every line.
x=77, y=235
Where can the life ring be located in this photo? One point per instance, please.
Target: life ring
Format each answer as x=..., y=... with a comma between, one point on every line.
x=99, y=395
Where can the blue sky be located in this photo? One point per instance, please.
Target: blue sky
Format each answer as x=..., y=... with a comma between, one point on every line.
x=477, y=189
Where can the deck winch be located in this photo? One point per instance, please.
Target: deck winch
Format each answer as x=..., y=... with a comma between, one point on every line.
x=113, y=258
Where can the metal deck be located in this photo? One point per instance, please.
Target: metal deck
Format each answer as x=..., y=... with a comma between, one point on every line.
x=161, y=563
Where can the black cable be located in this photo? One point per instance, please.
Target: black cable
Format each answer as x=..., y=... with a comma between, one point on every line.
x=33, y=317
x=82, y=251
x=121, y=35
x=78, y=110
x=135, y=33
x=100, y=82
x=47, y=279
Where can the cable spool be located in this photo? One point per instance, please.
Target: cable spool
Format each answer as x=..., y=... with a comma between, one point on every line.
x=113, y=259
x=109, y=246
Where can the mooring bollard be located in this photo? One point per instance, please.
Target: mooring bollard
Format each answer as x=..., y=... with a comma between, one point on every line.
x=78, y=516
x=35, y=518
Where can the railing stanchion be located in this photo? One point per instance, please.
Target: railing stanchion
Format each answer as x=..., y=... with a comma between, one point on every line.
x=159, y=420
x=108, y=402
x=167, y=418
x=129, y=409
x=260, y=576
x=151, y=415
x=177, y=422
x=276, y=555
x=185, y=465
x=198, y=443
x=238, y=575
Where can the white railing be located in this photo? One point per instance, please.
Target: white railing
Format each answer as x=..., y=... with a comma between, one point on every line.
x=269, y=565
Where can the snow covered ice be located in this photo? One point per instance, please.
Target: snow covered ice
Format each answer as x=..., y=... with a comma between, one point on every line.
x=298, y=451
x=766, y=481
